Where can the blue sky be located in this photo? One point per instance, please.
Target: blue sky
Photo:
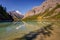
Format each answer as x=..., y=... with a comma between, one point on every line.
x=20, y=5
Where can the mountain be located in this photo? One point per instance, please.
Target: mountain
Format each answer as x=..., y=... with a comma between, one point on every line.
x=49, y=9
x=16, y=15
x=4, y=16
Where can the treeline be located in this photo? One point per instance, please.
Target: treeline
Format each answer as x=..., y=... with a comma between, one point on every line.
x=4, y=16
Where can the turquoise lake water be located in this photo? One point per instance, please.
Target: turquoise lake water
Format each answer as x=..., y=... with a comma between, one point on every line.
x=12, y=30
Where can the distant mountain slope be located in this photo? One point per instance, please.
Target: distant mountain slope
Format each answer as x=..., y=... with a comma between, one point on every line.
x=48, y=9
x=16, y=15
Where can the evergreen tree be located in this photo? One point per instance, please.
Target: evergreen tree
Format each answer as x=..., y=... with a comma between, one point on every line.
x=4, y=15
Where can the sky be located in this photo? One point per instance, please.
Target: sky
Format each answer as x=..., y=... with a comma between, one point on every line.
x=21, y=5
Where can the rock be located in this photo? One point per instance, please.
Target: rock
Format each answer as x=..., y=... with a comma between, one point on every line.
x=16, y=15
x=47, y=4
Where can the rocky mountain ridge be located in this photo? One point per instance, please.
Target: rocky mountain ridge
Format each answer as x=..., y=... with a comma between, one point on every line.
x=16, y=15
x=47, y=9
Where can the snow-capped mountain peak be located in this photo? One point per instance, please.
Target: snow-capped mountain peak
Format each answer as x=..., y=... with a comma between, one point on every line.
x=18, y=12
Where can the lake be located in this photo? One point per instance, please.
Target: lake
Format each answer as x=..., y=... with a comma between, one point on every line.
x=20, y=30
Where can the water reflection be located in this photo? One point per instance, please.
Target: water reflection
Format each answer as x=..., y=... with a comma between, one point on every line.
x=45, y=31
x=25, y=30
x=7, y=29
